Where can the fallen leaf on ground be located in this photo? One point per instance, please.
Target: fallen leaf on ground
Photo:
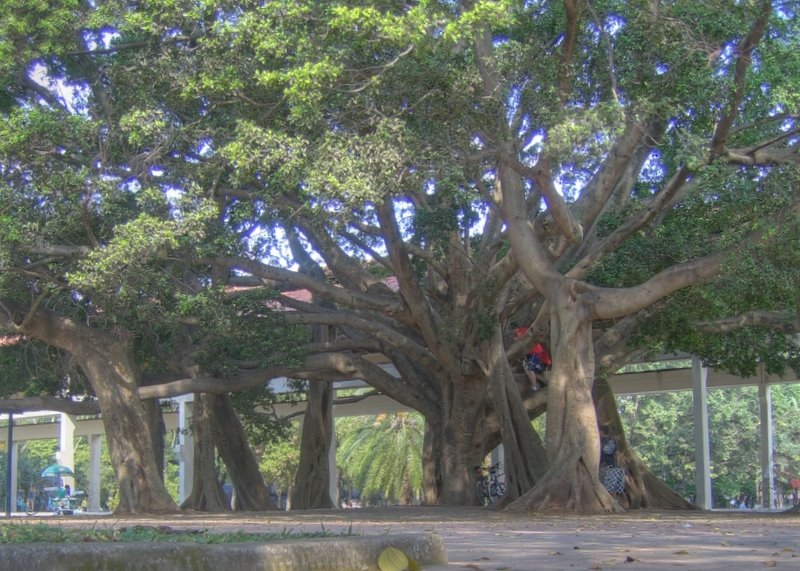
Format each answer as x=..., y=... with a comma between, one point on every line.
x=630, y=559
x=392, y=559
x=555, y=553
x=771, y=563
x=681, y=552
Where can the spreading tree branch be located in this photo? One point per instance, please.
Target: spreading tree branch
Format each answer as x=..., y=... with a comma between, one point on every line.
x=781, y=321
x=573, y=9
x=342, y=296
x=608, y=303
x=745, y=52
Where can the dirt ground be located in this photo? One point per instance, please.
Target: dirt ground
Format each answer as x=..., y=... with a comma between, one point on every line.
x=477, y=539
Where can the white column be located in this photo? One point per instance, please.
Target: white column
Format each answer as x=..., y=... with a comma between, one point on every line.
x=702, y=453
x=184, y=451
x=67, y=446
x=15, y=475
x=95, y=446
x=767, y=474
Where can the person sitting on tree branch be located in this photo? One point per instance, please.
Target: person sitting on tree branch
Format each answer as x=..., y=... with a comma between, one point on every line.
x=536, y=361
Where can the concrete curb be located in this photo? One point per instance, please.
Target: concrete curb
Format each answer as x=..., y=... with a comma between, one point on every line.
x=347, y=553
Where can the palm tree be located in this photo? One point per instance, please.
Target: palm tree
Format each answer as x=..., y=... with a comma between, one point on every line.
x=383, y=454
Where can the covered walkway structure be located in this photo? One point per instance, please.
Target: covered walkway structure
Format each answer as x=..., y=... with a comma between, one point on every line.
x=679, y=374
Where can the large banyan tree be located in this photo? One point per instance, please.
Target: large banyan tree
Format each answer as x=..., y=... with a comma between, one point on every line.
x=450, y=168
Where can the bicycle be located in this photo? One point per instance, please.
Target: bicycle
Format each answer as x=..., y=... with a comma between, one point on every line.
x=488, y=487
x=49, y=499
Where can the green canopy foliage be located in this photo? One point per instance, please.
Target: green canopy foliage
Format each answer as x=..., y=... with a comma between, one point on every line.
x=382, y=456
x=661, y=429
x=152, y=155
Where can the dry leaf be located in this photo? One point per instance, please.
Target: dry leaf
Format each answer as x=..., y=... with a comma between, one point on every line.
x=392, y=559
x=681, y=552
x=771, y=563
x=630, y=559
x=555, y=553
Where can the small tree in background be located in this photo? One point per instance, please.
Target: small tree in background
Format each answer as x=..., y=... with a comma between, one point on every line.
x=661, y=428
x=279, y=462
x=382, y=456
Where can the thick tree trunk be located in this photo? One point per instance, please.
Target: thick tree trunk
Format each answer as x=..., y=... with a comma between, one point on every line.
x=251, y=491
x=525, y=456
x=572, y=483
x=458, y=446
x=431, y=476
x=158, y=431
x=642, y=488
x=128, y=432
x=108, y=365
x=207, y=493
x=460, y=430
x=312, y=487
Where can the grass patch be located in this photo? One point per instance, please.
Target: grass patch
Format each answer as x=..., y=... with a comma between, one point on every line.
x=44, y=533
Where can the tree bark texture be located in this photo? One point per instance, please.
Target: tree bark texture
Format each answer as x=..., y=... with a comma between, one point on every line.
x=572, y=481
x=207, y=493
x=312, y=487
x=252, y=493
x=431, y=475
x=525, y=456
x=108, y=364
x=458, y=444
x=129, y=436
x=158, y=432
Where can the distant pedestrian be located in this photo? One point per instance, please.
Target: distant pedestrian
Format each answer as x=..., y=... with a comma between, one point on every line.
x=612, y=476
x=608, y=448
x=32, y=497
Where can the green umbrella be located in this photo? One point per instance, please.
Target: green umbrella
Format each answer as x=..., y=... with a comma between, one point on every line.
x=57, y=470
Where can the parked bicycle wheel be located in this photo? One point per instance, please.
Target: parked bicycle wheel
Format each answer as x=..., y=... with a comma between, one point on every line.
x=30, y=506
x=482, y=491
x=39, y=503
x=496, y=491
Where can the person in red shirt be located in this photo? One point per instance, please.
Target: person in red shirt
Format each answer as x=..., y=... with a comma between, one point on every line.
x=536, y=361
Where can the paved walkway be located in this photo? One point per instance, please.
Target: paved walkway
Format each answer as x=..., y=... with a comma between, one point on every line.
x=481, y=540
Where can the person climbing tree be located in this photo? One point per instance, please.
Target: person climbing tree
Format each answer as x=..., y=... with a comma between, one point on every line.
x=536, y=361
